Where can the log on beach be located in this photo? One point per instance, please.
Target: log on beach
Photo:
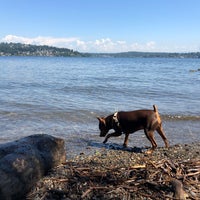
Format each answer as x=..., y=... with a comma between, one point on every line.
x=25, y=161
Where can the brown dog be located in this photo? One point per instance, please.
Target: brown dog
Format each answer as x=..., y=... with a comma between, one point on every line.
x=130, y=122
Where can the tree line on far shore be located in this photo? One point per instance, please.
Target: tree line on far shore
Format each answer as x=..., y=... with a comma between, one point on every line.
x=19, y=49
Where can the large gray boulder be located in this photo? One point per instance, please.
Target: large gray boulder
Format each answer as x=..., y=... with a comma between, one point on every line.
x=25, y=161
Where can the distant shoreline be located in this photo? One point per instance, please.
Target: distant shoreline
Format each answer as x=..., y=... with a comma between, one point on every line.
x=19, y=49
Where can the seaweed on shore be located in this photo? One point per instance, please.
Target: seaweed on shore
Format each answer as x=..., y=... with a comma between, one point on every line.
x=110, y=174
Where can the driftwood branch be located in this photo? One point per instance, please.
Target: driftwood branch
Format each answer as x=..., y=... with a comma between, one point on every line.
x=179, y=192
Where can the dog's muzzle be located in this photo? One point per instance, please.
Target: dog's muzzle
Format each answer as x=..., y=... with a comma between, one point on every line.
x=103, y=133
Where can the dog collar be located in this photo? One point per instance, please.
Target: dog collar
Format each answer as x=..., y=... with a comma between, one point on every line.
x=116, y=119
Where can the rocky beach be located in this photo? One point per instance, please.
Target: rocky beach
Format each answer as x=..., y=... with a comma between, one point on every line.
x=130, y=173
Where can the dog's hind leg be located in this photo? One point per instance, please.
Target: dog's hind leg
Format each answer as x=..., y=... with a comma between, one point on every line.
x=162, y=134
x=150, y=137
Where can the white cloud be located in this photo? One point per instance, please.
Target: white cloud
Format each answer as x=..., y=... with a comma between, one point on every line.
x=104, y=45
x=151, y=44
x=59, y=42
x=99, y=45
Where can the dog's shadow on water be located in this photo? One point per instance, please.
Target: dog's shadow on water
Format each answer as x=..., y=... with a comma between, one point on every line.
x=114, y=146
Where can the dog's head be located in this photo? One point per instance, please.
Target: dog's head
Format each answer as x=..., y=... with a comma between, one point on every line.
x=102, y=126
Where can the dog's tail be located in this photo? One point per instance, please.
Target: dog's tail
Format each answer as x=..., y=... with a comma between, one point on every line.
x=155, y=108
x=157, y=114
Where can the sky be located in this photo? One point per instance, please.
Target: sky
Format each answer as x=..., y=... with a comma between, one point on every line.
x=103, y=26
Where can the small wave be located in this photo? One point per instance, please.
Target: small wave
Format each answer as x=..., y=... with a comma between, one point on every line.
x=181, y=117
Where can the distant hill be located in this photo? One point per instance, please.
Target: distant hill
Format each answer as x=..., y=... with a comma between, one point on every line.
x=148, y=55
x=19, y=49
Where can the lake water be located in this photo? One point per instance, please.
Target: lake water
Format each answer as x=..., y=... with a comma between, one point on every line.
x=63, y=96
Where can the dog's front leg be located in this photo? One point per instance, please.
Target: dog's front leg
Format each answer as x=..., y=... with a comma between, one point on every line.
x=126, y=140
x=114, y=134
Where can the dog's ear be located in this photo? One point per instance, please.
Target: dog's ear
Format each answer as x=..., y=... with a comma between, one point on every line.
x=102, y=120
x=98, y=118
